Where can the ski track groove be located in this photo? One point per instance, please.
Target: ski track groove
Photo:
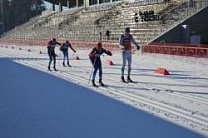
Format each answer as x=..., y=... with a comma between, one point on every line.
x=161, y=89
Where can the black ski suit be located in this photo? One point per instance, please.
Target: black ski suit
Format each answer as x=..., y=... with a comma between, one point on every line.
x=51, y=53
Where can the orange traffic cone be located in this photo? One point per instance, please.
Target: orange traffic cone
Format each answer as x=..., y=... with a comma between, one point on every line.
x=109, y=62
x=162, y=71
x=76, y=58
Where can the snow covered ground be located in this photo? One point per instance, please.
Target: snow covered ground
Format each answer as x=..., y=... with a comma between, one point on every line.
x=63, y=104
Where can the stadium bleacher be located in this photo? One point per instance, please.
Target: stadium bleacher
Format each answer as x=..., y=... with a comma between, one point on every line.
x=85, y=24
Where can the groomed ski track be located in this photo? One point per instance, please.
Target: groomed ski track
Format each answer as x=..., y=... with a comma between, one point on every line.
x=140, y=95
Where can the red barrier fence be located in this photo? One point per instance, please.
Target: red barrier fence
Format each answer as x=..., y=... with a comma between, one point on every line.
x=160, y=48
x=178, y=49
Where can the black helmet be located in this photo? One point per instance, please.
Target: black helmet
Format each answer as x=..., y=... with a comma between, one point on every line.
x=127, y=30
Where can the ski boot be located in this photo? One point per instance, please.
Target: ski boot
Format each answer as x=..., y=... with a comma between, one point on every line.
x=55, y=69
x=122, y=79
x=68, y=64
x=49, y=67
x=93, y=83
x=129, y=80
x=64, y=64
x=101, y=83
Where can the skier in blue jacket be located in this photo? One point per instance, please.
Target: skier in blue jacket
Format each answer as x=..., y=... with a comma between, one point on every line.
x=64, y=48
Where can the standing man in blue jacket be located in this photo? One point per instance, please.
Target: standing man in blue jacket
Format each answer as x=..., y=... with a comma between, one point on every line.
x=125, y=42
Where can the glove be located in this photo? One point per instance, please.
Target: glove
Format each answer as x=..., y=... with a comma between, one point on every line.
x=126, y=48
x=92, y=55
x=138, y=48
x=109, y=53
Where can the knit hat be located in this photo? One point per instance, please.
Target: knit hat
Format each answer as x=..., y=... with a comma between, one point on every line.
x=127, y=30
x=99, y=45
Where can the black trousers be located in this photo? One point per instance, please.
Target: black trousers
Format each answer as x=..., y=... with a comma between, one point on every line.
x=52, y=57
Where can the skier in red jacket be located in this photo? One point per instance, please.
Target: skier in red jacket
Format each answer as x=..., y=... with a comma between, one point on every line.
x=94, y=56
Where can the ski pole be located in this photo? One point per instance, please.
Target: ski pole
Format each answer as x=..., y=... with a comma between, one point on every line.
x=71, y=56
x=92, y=70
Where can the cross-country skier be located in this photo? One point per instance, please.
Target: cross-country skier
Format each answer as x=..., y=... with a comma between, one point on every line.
x=125, y=43
x=51, y=53
x=94, y=56
x=64, y=48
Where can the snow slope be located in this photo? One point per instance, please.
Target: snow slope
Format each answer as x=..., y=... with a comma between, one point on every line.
x=39, y=103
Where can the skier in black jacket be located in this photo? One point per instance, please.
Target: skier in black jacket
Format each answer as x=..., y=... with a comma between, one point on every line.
x=51, y=53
